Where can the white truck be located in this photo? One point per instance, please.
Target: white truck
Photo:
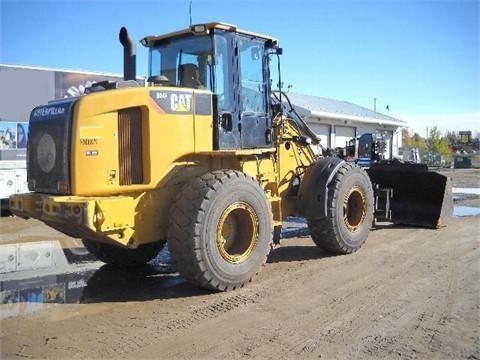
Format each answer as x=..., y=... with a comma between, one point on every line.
x=13, y=180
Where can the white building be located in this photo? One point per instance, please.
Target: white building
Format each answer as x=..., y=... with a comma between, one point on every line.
x=336, y=122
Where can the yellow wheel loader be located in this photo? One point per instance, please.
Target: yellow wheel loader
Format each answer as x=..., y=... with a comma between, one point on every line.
x=207, y=157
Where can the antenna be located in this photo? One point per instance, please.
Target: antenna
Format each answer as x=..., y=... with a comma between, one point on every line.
x=190, y=12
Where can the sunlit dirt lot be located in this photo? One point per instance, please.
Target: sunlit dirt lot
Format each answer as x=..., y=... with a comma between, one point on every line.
x=407, y=293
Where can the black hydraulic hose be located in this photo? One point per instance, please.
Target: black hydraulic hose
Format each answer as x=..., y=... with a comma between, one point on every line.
x=304, y=128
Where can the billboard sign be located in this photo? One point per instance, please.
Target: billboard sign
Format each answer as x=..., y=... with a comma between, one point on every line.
x=13, y=140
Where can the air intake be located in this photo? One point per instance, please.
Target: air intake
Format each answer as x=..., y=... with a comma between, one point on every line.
x=130, y=146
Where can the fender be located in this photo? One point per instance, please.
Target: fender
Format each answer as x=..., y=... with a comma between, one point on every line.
x=313, y=191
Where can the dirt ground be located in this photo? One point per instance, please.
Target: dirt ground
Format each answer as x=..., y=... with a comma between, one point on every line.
x=408, y=293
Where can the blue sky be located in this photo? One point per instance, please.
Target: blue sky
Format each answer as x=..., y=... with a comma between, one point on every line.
x=419, y=57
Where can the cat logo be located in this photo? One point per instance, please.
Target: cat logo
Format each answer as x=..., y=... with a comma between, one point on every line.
x=181, y=102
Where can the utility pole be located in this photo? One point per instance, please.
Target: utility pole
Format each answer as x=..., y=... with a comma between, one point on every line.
x=375, y=104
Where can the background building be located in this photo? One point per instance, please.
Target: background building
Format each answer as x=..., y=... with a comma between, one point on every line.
x=336, y=122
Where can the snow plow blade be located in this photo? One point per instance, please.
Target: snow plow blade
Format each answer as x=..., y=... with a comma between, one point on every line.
x=409, y=194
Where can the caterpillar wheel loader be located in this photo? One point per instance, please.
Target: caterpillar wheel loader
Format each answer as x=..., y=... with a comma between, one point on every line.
x=207, y=157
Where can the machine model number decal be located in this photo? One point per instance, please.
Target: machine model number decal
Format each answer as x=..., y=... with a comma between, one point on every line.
x=160, y=95
x=89, y=141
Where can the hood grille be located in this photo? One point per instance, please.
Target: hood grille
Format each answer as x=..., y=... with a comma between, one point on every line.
x=130, y=146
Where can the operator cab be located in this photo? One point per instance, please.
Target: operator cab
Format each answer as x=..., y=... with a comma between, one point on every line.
x=233, y=65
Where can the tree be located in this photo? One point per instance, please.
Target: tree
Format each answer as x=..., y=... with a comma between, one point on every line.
x=436, y=143
x=414, y=141
x=452, y=137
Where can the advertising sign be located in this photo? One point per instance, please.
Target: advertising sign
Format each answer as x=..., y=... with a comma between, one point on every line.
x=13, y=140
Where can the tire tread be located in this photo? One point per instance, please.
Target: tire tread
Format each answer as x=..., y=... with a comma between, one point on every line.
x=191, y=205
x=325, y=231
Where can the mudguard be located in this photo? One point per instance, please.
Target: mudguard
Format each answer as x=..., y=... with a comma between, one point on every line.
x=312, y=193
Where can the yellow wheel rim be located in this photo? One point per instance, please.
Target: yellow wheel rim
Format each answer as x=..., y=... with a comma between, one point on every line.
x=354, y=209
x=237, y=232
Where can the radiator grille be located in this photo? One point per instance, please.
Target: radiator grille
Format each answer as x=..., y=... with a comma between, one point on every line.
x=130, y=146
x=49, y=148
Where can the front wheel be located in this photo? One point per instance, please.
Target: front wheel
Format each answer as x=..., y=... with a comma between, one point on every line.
x=220, y=230
x=349, y=212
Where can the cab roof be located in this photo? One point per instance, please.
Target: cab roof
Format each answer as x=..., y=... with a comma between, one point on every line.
x=201, y=29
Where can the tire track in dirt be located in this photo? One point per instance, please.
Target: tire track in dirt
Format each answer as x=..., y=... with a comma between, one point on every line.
x=418, y=317
x=335, y=325
x=301, y=345
x=407, y=296
x=339, y=298
x=417, y=311
x=210, y=311
x=122, y=338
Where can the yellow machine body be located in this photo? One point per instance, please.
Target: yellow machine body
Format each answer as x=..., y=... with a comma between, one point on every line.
x=175, y=147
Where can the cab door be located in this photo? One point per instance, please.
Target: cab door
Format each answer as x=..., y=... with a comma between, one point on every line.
x=255, y=121
x=242, y=118
x=227, y=127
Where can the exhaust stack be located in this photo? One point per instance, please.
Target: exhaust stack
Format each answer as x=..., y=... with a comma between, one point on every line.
x=129, y=55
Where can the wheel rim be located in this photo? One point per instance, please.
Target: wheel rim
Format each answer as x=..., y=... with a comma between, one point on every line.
x=237, y=232
x=354, y=209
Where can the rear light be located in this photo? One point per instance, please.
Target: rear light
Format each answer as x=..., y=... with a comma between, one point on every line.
x=62, y=187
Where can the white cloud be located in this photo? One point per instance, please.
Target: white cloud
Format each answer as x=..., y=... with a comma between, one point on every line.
x=444, y=122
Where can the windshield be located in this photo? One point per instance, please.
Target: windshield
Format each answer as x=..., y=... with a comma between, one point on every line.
x=186, y=62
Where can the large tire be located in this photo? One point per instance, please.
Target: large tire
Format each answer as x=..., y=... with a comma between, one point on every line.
x=123, y=257
x=349, y=212
x=220, y=230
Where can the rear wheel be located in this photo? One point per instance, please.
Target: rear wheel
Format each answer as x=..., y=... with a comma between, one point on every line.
x=220, y=230
x=349, y=212
x=123, y=257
